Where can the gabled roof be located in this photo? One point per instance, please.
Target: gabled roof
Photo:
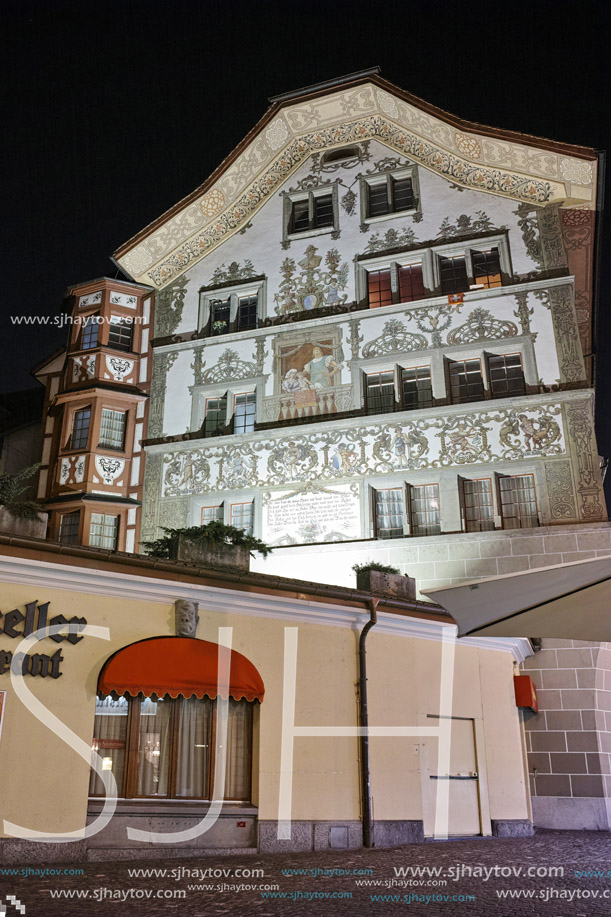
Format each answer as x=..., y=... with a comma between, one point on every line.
x=340, y=112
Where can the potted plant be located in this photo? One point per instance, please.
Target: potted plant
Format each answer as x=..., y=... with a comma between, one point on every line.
x=213, y=545
x=382, y=579
x=219, y=327
x=19, y=516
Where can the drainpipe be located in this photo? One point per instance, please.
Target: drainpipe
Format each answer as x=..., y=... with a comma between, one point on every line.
x=364, y=722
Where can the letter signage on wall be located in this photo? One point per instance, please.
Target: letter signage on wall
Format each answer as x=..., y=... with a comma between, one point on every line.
x=17, y=624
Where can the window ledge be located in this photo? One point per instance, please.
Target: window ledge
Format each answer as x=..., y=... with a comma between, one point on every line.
x=306, y=234
x=170, y=807
x=391, y=216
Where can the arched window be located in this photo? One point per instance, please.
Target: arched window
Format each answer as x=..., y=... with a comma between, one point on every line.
x=344, y=152
x=156, y=720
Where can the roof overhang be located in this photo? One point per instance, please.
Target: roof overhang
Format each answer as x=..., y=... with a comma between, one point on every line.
x=339, y=113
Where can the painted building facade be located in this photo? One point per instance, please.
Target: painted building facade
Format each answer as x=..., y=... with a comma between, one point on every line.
x=95, y=415
x=373, y=341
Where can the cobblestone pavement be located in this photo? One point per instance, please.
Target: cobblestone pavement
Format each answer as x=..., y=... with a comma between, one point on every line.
x=465, y=868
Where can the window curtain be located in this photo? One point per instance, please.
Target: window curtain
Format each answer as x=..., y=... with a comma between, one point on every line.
x=154, y=747
x=194, y=739
x=109, y=729
x=239, y=732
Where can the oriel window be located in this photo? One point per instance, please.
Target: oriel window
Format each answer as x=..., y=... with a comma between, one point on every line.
x=69, y=527
x=89, y=333
x=80, y=429
x=112, y=429
x=120, y=333
x=103, y=531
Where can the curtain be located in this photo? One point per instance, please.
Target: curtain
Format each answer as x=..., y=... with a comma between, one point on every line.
x=109, y=740
x=154, y=747
x=239, y=741
x=194, y=739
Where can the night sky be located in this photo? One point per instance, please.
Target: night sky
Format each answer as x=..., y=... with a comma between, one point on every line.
x=115, y=111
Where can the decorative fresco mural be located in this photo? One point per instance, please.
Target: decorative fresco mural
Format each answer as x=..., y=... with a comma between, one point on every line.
x=476, y=437
x=311, y=513
x=313, y=286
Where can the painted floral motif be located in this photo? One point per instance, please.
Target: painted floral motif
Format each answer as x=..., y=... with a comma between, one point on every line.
x=276, y=134
x=465, y=225
x=212, y=203
x=119, y=367
x=463, y=441
x=468, y=146
x=291, y=462
x=312, y=287
x=229, y=367
x=233, y=273
x=392, y=238
x=395, y=338
x=481, y=325
x=576, y=171
x=387, y=104
x=237, y=469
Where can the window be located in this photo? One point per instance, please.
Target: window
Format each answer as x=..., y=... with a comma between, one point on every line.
x=220, y=314
x=379, y=288
x=89, y=334
x=424, y=509
x=395, y=284
x=517, y=501
x=389, y=513
x=453, y=274
x=112, y=429
x=103, y=531
x=247, y=312
x=411, y=283
x=477, y=506
x=120, y=333
x=165, y=747
x=69, y=527
x=315, y=212
x=389, y=195
x=506, y=375
x=380, y=392
x=80, y=429
x=244, y=410
x=242, y=516
x=215, y=419
x=487, y=268
x=212, y=514
x=466, y=382
x=417, y=389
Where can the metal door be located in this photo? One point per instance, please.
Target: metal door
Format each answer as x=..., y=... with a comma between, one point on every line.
x=462, y=776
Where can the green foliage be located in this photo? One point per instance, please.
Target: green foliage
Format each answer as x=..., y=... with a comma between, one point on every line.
x=374, y=565
x=12, y=486
x=212, y=534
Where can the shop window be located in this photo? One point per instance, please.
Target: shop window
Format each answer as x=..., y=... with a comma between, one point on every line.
x=244, y=412
x=120, y=333
x=112, y=429
x=487, y=268
x=517, y=501
x=506, y=375
x=212, y=514
x=69, y=527
x=103, y=531
x=162, y=747
x=80, y=429
x=380, y=392
x=476, y=504
x=89, y=333
x=466, y=382
x=416, y=388
x=242, y=516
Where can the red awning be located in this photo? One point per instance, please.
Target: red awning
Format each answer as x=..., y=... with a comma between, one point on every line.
x=177, y=666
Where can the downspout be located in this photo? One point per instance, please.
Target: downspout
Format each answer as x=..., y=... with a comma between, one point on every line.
x=364, y=723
